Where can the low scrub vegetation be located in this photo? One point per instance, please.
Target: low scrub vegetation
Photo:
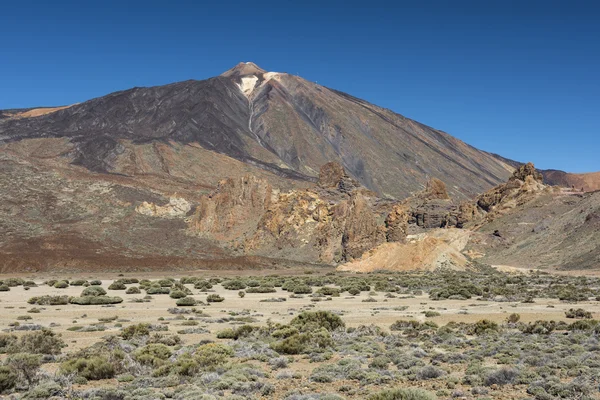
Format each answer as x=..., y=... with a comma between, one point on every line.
x=300, y=337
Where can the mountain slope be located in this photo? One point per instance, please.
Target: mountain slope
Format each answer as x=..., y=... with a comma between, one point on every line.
x=555, y=230
x=274, y=121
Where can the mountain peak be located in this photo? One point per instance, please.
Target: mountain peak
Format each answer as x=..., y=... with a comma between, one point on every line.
x=243, y=69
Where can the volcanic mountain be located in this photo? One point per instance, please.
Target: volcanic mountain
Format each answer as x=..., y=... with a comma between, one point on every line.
x=277, y=122
x=247, y=169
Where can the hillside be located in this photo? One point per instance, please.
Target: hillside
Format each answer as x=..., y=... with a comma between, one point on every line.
x=278, y=122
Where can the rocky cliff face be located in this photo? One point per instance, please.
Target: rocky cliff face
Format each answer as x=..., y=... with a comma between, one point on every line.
x=232, y=208
x=332, y=222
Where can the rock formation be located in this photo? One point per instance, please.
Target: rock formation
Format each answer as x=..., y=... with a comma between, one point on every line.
x=226, y=213
x=397, y=224
x=333, y=176
x=177, y=207
x=524, y=185
x=432, y=207
x=332, y=222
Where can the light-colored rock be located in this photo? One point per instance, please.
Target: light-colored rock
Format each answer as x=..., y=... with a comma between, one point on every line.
x=177, y=207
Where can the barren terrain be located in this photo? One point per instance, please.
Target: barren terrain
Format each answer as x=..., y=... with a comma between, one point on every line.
x=373, y=316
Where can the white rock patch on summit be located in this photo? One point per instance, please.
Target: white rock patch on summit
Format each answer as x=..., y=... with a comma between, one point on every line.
x=272, y=75
x=248, y=84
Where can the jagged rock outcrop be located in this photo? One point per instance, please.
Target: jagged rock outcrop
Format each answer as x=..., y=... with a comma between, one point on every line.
x=234, y=207
x=397, y=224
x=433, y=214
x=435, y=190
x=333, y=176
x=330, y=223
x=524, y=185
x=302, y=225
x=361, y=230
x=432, y=207
x=525, y=171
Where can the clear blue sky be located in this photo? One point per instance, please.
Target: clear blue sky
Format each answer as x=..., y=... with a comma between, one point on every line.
x=519, y=78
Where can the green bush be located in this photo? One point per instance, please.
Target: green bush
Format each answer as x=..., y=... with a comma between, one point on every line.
x=93, y=291
x=429, y=372
x=295, y=344
x=95, y=283
x=7, y=343
x=129, y=281
x=97, y=300
x=44, y=341
x=231, y=333
x=211, y=355
x=79, y=282
x=4, y=288
x=133, y=290
x=503, y=376
x=538, y=327
x=329, y=291
x=234, y=285
x=214, y=298
x=44, y=390
x=431, y=314
x=91, y=368
x=25, y=364
x=585, y=326
x=167, y=340
x=203, y=285
x=380, y=362
x=165, y=283
x=413, y=325
x=49, y=300
x=403, y=394
x=314, y=320
x=8, y=378
x=135, y=331
x=117, y=285
x=177, y=294
x=261, y=289
x=61, y=285
x=513, y=318
x=483, y=327
x=186, y=302
x=158, y=290
x=455, y=292
x=300, y=289
x=13, y=282
x=579, y=313
x=153, y=355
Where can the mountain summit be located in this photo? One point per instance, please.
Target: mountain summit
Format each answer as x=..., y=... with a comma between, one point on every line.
x=243, y=69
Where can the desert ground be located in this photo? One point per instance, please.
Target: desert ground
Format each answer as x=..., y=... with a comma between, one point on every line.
x=294, y=373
